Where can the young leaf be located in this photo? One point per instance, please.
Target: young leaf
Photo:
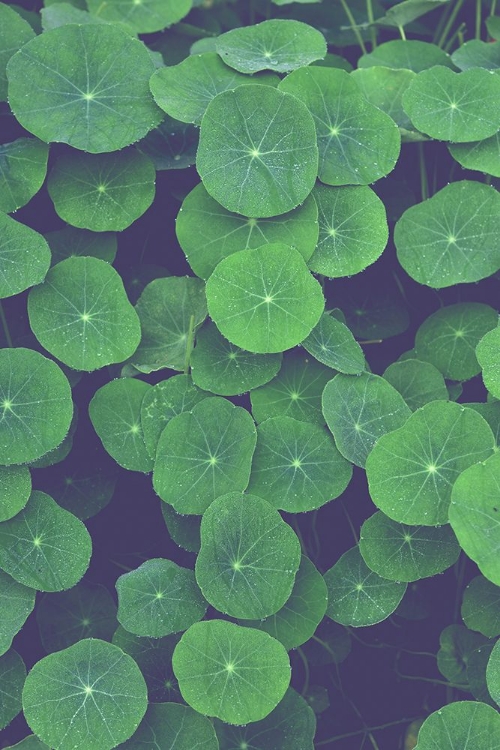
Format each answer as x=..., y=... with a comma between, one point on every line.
x=174, y=726
x=15, y=489
x=16, y=604
x=409, y=54
x=23, y=165
x=332, y=343
x=14, y=33
x=12, y=677
x=24, y=256
x=456, y=643
x=142, y=17
x=248, y=557
x=467, y=724
x=481, y=607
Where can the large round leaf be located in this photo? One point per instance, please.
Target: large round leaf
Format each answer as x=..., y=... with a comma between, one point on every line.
x=14, y=33
x=35, y=399
x=24, y=256
x=264, y=300
x=85, y=85
x=173, y=726
x=143, y=17
x=248, y=558
x=451, y=238
x=464, y=724
x=15, y=489
x=257, y=153
x=237, y=674
x=16, y=604
x=23, y=165
x=81, y=314
x=90, y=696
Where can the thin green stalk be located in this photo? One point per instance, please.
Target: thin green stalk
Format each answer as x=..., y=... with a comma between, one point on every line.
x=354, y=25
x=5, y=327
x=444, y=18
x=493, y=7
x=371, y=19
x=402, y=33
x=364, y=731
x=424, y=182
x=451, y=20
x=189, y=344
x=478, y=18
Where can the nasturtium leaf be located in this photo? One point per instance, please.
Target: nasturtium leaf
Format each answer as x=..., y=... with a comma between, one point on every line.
x=477, y=662
x=85, y=85
x=203, y=454
x=491, y=413
x=185, y=90
x=451, y=238
x=142, y=17
x=70, y=241
x=165, y=400
x=183, y=530
x=487, y=354
x=474, y=515
x=481, y=607
x=44, y=547
x=448, y=338
x=173, y=726
x=358, y=143
x=456, y=643
x=493, y=675
x=353, y=230
x=357, y=596
x=455, y=390
x=493, y=26
x=257, y=153
x=12, y=677
x=170, y=310
x=296, y=466
x=459, y=107
x=35, y=398
x=464, y=724
x=278, y=44
x=332, y=343
x=236, y=674
x=483, y=156
x=406, y=553
x=220, y=367
x=264, y=300
x=477, y=54
x=248, y=558
x=102, y=192
x=299, y=617
x=207, y=232
x=159, y=598
x=23, y=165
x=411, y=54
x=384, y=88
x=403, y=13
x=24, y=256
x=16, y=604
x=358, y=410
x=14, y=33
x=84, y=611
x=15, y=489
x=115, y=412
x=411, y=471
x=61, y=13
x=418, y=382
x=171, y=145
x=81, y=314
x=291, y=725
x=90, y=696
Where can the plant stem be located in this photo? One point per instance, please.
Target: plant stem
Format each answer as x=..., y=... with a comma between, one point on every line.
x=364, y=731
x=451, y=21
x=444, y=17
x=371, y=18
x=402, y=32
x=354, y=25
x=305, y=687
x=189, y=344
x=5, y=327
x=478, y=19
x=493, y=7
x=424, y=183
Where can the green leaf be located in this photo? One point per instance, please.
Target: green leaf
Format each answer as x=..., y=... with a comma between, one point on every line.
x=410, y=54
x=487, y=357
x=418, y=382
x=24, y=256
x=142, y=17
x=264, y=300
x=66, y=617
x=456, y=643
x=185, y=90
x=353, y=230
x=466, y=724
x=183, y=530
x=173, y=726
x=36, y=404
x=483, y=156
x=407, y=11
x=62, y=13
x=16, y=604
x=70, y=241
x=171, y=145
x=477, y=54
x=14, y=33
x=102, y=192
x=357, y=596
x=384, y=87
x=493, y=675
x=296, y=466
x=477, y=662
x=358, y=143
x=207, y=232
x=85, y=85
x=411, y=471
x=170, y=310
x=115, y=412
x=203, y=454
x=23, y=165
x=474, y=515
x=451, y=238
x=300, y=616
x=159, y=598
x=90, y=696
x=237, y=674
x=332, y=343
x=12, y=677
x=452, y=106
x=222, y=368
x=358, y=410
x=491, y=413
x=278, y=44
x=44, y=547
x=248, y=559
x=493, y=26
x=15, y=489
x=448, y=338
x=481, y=607
x=257, y=153
x=294, y=392
x=406, y=553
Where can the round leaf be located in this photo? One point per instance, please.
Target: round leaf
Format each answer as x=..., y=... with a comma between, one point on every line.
x=15, y=489
x=417, y=382
x=24, y=256
x=23, y=165
x=332, y=343
x=12, y=677
x=410, y=54
x=481, y=607
x=237, y=674
x=143, y=17
x=85, y=85
x=16, y=604
x=90, y=696
x=175, y=727
x=264, y=300
x=487, y=356
x=467, y=724
x=456, y=643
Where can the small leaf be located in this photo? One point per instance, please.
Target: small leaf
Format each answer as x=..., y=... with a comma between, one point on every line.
x=24, y=256
x=332, y=343
x=481, y=607
x=456, y=643
x=23, y=165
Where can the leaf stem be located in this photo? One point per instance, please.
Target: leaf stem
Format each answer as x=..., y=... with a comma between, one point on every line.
x=189, y=344
x=5, y=327
x=371, y=19
x=402, y=33
x=369, y=729
x=478, y=18
x=449, y=24
x=354, y=26
x=424, y=183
